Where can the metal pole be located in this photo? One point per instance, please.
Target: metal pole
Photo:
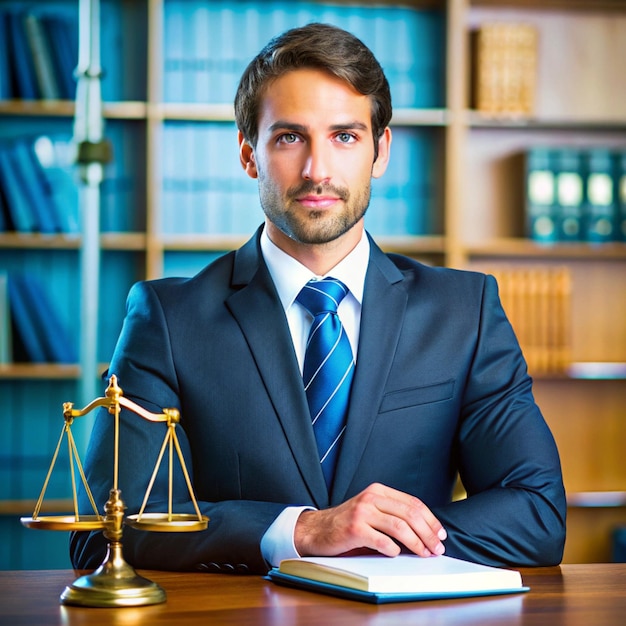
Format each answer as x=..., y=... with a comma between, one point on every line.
x=92, y=152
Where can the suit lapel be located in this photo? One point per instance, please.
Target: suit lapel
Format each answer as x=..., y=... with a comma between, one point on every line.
x=379, y=335
x=257, y=309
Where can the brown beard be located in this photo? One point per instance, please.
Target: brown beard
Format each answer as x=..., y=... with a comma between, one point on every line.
x=313, y=227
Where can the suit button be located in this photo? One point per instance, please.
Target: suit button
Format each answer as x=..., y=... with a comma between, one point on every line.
x=241, y=568
x=228, y=568
x=208, y=567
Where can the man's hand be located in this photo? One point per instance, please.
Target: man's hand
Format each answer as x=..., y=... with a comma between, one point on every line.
x=378, y=519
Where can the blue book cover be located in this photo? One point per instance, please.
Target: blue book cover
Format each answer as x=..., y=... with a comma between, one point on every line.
x=53, y=339
x=228, y=39
x=5, y=222
x=120, y=79
x=17, y=204
x=21, y=59
x=200, y=179
x=224, y=213
x=35, y=187
x=177, y=154
x=196, y=53
x=41, y=53
x=27, y=345
x=6, y=87
x=64, y=53
x=54, y=163
x=6, y=336
x=168, y=194
x=174, y=51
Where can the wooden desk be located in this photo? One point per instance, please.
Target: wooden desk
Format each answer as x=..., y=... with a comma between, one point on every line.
x=572, y=595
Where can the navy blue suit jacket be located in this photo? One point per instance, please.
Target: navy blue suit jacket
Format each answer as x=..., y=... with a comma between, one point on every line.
x=440, y=388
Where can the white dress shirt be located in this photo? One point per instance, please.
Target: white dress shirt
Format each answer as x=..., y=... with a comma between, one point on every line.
x=290, y=276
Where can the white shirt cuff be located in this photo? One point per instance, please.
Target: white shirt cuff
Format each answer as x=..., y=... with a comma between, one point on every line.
x=277, y=542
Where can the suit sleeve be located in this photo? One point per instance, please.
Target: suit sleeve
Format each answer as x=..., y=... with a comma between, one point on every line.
x=145, y=369
x=508, y=461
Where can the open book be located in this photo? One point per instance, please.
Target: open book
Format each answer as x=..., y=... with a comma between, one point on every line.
x=404, y=578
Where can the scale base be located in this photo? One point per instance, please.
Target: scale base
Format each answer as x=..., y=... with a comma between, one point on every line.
x=114, y=584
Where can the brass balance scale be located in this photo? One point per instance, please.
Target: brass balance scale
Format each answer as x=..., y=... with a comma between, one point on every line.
x=115, y=583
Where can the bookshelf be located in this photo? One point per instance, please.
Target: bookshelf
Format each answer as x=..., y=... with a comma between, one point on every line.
x=475, y=204
x=577, y=105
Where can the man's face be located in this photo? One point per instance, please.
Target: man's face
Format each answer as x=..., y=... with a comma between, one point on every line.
x=314, y=158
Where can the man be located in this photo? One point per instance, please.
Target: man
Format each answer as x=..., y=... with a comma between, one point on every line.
x=438, y=383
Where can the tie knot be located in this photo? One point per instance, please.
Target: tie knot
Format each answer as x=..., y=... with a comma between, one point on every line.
x=322, y=296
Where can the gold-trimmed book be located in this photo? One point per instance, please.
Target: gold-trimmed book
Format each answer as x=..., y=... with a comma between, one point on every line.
x=379, y=579
x=505, y=68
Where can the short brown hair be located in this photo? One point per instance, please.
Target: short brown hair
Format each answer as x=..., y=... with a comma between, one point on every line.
x=320, y=46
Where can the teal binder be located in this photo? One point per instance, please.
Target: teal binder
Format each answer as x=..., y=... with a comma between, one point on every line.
x=620, y=194
x=600, y=220
x=569, y=194
x=541, y=217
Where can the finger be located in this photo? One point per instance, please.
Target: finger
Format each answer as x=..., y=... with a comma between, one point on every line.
x=408, y=520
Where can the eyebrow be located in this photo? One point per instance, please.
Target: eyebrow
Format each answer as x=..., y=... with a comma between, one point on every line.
x=301, y=128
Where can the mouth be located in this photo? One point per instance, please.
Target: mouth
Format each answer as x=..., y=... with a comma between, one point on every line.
x=318, y=197
x=317, y=202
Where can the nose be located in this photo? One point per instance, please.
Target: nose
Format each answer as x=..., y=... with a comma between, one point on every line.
x=317, y=164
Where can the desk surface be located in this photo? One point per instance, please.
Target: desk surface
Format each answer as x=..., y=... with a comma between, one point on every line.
x=571, y=595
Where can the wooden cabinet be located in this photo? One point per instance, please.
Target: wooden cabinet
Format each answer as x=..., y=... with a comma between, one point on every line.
x=579, y=103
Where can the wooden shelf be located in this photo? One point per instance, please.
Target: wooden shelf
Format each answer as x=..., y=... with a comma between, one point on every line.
x=39, y=241
x=520, y=248
x=38, y=371
x=202, y=243
x=597, y=499
x=192, y=112
x=597, y=370
x=420, y=117
x=430, y=244
x=26, y=507
x=226, y=113
x=591, y=371
x=561, y=5
x=41, y=371
x=477, y=120
x=66, y=108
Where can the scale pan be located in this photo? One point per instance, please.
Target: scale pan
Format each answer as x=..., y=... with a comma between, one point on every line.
x=64, y=522
x=165, y=523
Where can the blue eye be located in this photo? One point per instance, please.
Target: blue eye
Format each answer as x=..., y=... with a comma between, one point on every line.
x=288, y=138
x=345, y=137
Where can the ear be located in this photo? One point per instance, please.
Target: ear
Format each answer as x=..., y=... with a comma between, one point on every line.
x=246, y=156
x=382, y=160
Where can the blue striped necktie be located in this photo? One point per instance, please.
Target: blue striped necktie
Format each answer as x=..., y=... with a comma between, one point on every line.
x=328, y=368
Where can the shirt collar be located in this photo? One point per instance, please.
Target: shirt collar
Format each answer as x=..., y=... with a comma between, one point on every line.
x=289, y=275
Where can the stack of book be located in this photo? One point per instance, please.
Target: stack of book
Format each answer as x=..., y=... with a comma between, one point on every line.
x=505, y=60
x=537, y=301
x=31, y=329
x=207, y=45
x=39, y=55
x=575, y=194
x=205, y=191
x=38, y=191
